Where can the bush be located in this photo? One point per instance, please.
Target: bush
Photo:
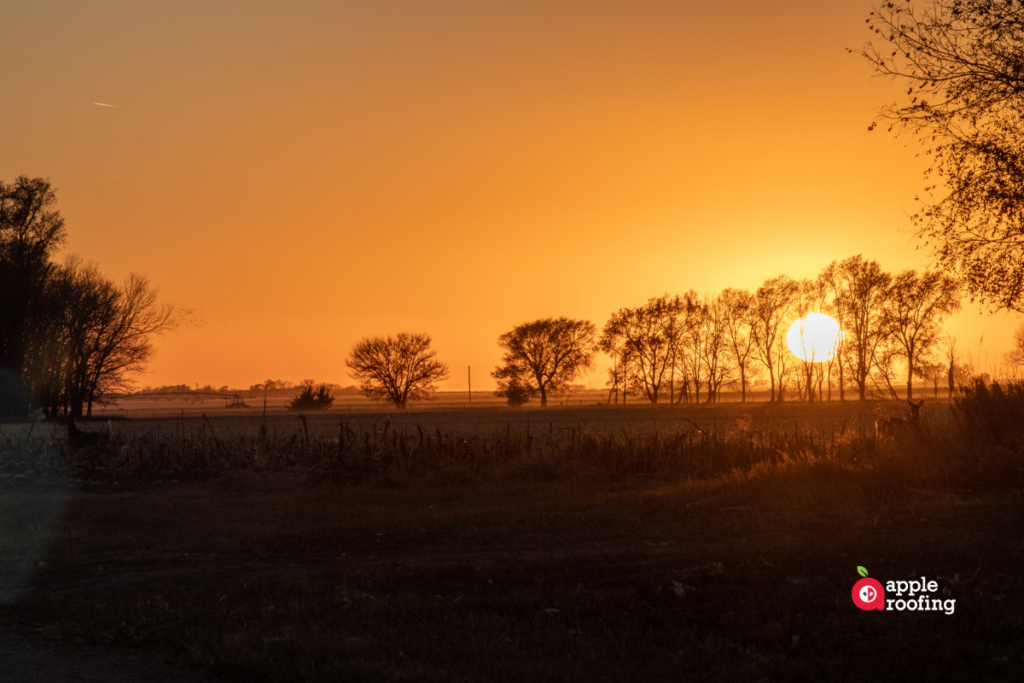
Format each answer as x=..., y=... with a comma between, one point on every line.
x=312, y=398
x=516, y=394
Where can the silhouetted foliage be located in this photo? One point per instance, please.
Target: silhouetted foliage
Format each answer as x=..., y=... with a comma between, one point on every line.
x=771, y=311
x=312, y=398
x=517, y=394
x=738, y=304
x=544, y=356
x=862, y=289
x=67, y=334
x=917, y=305
x=400, y=368
x=31, y=231
x=648, y=339
x=963, y=67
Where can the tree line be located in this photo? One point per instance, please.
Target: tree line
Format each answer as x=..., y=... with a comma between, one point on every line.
x=68, y=334
x=688, y=347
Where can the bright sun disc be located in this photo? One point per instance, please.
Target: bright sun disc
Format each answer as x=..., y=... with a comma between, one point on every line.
x=813, y=337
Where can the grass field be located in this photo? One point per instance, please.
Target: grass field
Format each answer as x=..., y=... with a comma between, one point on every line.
x=713, y=543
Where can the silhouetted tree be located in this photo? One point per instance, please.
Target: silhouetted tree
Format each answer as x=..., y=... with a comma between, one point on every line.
x=738, y=304
x=31, y=231
x=863, y=290
x=691, y=343
x=962, y=65
x=834, y=283
x=400, y=368
x=544, y=356
x=102, y=335
x=771, y=312
x=312, y=397
x=917, y=306
x=713, y=345
x=648, y=337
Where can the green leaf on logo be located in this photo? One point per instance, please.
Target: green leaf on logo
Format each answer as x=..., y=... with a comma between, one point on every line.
x=862, y=571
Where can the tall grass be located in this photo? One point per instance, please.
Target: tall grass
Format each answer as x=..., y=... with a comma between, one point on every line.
x=979, y=438
x=992, y=413
x=389, y=456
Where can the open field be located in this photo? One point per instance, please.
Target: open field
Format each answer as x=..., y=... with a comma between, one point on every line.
x=346, y=403
x=583, y=544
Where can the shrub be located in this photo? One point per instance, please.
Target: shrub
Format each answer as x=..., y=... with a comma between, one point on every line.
x=992, y=413
x=312, y=398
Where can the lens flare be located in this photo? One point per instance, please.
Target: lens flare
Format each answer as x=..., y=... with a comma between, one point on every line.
x=814, y=337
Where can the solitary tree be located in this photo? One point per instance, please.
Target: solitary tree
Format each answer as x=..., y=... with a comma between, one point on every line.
x=963, y=69
x=399, y=368
x=917, y=305
x=544, y=356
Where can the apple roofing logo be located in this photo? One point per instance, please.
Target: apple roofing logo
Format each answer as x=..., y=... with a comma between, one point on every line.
x=868, y=594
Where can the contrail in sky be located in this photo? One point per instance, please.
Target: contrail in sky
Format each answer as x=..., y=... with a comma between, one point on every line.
x=100, y=104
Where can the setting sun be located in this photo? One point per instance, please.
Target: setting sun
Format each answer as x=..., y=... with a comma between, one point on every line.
x=813, y=338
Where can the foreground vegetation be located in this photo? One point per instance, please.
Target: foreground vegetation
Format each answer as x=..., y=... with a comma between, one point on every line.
x=664, y=543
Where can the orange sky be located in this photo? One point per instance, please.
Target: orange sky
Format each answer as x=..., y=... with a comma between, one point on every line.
x=307, y=173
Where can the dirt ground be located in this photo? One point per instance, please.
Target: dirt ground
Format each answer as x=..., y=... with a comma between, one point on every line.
x=276, y=577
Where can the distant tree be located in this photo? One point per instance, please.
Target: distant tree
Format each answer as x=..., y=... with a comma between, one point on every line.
x=312, y=397
x=713, y=347
x=544, y=356
x=917, y=306
x=649, y=337
x=690, y=354
x=812, y=297
x=961, y=64
x=622, y=375
x=771, y=312
x=400, y=368
x=863, y=291
x=738, y=304
x=832, y=280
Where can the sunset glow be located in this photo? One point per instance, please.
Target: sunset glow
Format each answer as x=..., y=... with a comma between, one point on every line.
x=813, y=337
x=300, y=180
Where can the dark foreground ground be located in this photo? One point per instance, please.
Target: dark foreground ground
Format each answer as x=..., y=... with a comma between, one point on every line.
x=275, y=577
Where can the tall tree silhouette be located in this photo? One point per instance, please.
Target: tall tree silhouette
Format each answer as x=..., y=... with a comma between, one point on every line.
x=863, y=291
x=738, y=305
x=772, y=310
x=31, y=231
x=917, y=306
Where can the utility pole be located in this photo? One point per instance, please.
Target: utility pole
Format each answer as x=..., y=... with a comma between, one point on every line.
x=469, y=375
